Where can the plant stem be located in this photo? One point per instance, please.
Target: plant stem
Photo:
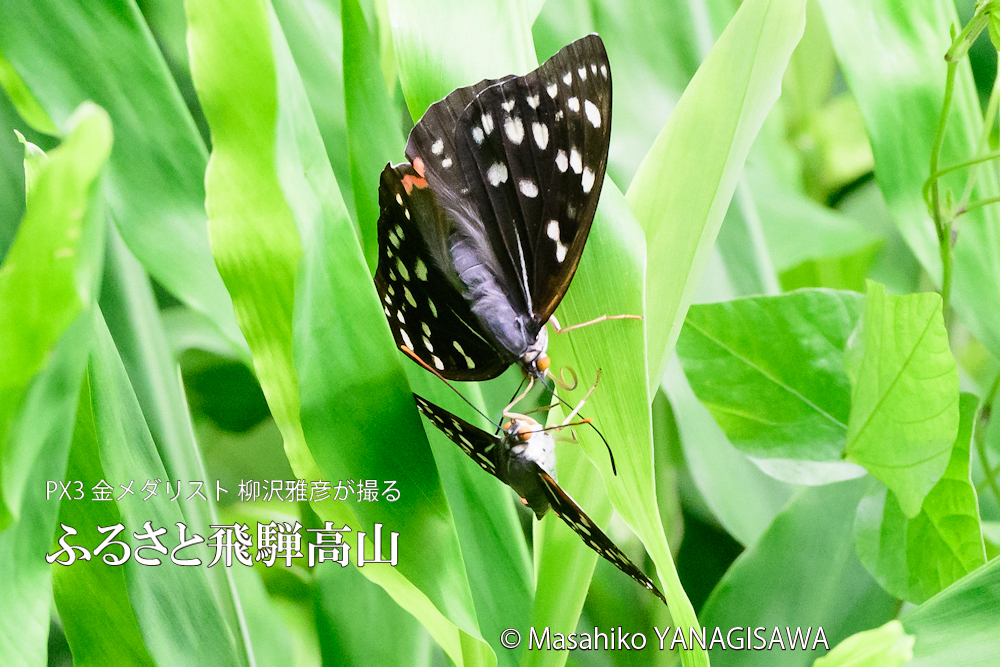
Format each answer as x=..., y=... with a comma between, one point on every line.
x=941, y=225
x=980, y=439
x=977, y=204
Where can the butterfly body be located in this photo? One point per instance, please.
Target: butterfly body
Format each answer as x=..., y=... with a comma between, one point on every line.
x=523, y=457
x=481, y=232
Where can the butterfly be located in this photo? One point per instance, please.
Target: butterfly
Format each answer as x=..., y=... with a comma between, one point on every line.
x=523, y=458
x=481, y=232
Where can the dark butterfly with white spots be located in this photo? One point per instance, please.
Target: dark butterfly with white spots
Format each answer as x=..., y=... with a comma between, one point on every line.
x=522, y=456
x=481, y=231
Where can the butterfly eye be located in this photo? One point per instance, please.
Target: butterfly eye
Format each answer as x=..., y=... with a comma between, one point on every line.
x=544, y=363
x=524, y=434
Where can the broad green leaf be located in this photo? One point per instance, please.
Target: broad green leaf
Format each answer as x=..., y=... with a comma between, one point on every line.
x=313, y=30
x=444, y=44
x=742, y=498
x=904, y=399
x=916, y=558
x=802, y=573
x=683, y=187
x=289, y=254
x=174, y=606
x=48, y=277
x=892, y=55
x=92, y=597
x=349, y=607
x=373, y=134
x=563, y=563
x=131, y=313
x=67, y=53
x=44, y=421
x=958, y=626
x=798, y=229
x=885, y=646
x=22, y=99
x=770, y=370
x=811, y=71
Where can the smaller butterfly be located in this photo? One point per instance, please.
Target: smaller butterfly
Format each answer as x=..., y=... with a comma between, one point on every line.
x=522, y=456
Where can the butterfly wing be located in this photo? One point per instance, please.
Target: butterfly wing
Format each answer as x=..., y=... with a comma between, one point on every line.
x=425, y=311
x=537, y=146
x=567, y=510
x=482, y=447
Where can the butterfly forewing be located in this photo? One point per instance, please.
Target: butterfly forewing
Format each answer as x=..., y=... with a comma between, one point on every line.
x=535, y=151
x=567, y=510
x=425, y=311
x=481, y=447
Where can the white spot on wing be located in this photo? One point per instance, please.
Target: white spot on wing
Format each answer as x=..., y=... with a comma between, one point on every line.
x=406, y=212
x=560, y=252
x=437, y=363
x=593, y=68
x=528, y=188
x=574, y=104
x=559, y=115
x=497, y=174
x=568, y=78
x=561, y=160
x=437, y=147
x=508, y=105
x=487, y=123
x=399, y=199
x=552, y=230
x=552, y=90
x=514, y=129
x=446, y=163
x=604, y=71
x=583, y=73
x=575, y=161
x=532, y=101
x=593, y=113
x=427, y=343
x=541, y=133
x=399, y=316
x=588, y=180
x=477, y=134
x=406, y=339
x=420, y=269
x=427, y=329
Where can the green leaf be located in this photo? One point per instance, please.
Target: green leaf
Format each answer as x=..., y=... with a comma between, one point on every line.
x=92, y=597
x=958, y=625
x=313, y=30
x=885, y=646
x=49, y=276
x=67, y=53
x=740, y=495
x=684, y=185
x=916, y=558
x=175, y=607
x=892, y=55
x=374, y=134
x=289, y=254
x=22, y=99
x=802, y=573
x=44, y=422
x=770, y=370
x=904, y=401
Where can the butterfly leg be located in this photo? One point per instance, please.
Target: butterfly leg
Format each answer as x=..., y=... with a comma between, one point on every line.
x=572, y=415
x=602, y=318
x=513, y=415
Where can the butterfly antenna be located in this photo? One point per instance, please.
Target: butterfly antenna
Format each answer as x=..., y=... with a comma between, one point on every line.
x=410, y=353
x=506, y=411
x=576, y=411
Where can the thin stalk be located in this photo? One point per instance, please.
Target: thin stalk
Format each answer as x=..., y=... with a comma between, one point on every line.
x=980, y=439
x=941, y=225
x=986, y=157
x=984, y=138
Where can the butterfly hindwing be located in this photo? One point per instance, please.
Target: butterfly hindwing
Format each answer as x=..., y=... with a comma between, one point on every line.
x=480, y=446
x=425, y=311
x=567, y=509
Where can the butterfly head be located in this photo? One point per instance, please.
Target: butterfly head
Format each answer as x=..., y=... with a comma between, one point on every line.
x=535, y=361
x=525, y=438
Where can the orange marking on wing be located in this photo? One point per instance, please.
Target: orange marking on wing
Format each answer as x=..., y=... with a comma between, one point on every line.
x=410, y=181
x=418, y=166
